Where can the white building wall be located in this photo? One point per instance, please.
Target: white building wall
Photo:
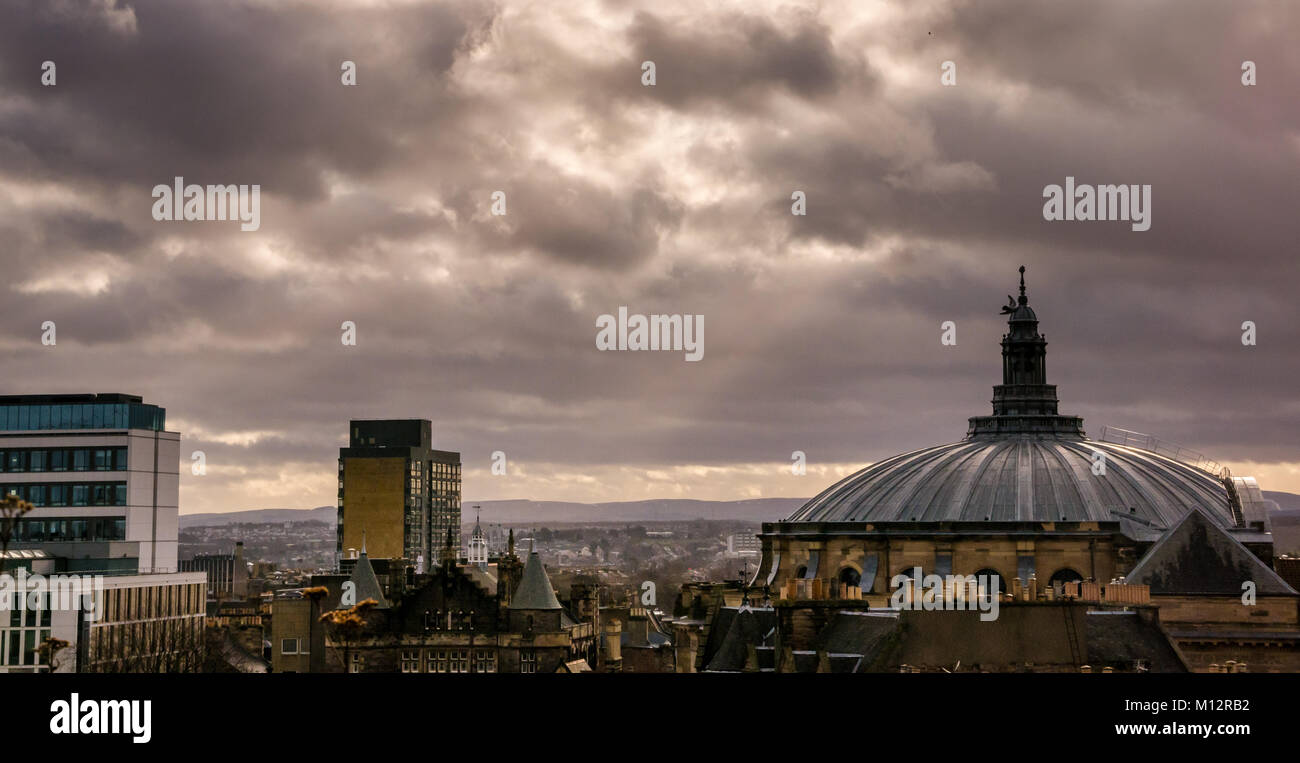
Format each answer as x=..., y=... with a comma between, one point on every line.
x=153, y=497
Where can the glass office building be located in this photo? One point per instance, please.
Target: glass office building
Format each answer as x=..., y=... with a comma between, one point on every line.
x=103, y=475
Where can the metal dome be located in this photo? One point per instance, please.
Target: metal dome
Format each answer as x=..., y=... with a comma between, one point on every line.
x=1027, y=462
x=1021, y=478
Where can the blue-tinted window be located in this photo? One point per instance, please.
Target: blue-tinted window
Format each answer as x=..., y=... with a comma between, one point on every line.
x=65, y=493
x=83, y=416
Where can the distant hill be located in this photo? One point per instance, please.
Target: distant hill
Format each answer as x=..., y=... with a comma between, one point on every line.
x=524, y=512
x=660, y=510
x=1284, y=500
x=327, y=514
x=535, y=512
x=1285, y=523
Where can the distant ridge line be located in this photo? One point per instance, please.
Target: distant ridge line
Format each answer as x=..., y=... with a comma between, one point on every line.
x=528, y=512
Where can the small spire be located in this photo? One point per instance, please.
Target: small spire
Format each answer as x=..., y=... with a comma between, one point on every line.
x=1023, y=298
x=363, y=542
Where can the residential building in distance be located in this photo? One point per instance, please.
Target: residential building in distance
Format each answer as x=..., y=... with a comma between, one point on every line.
x=397, y=495
x=744, y=544
x=227, y=573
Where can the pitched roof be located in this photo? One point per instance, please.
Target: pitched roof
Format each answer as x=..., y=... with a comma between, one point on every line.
x=745, y=627
x=1122, y=638
x=363, y=577
x=1197, y=556
x=864, y=634
x=534, y=590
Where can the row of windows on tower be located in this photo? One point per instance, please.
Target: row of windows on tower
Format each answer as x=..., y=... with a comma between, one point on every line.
x=63, y=459
x=69, y=529
x=69, y=493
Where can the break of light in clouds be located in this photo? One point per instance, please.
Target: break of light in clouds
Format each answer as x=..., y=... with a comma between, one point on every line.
x=823, y=330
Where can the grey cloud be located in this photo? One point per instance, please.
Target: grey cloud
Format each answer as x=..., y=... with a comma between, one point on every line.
x=822, y=331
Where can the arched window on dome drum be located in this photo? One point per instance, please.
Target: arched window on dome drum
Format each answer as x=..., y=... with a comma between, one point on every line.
x=1063, y=576
x=993, y=577
x=907, y=572
x=810, y=571
x=851, y=577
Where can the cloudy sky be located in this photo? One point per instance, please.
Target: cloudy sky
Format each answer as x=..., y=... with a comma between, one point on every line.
x=822, y=332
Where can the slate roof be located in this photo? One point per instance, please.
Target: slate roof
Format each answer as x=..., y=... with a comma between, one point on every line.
x=805, y=661
x=367, y=583
x=862, y=634
x=534, y=590
x=1122, y=638
x=860, y=641
x=1196, y=556
x=734, y=630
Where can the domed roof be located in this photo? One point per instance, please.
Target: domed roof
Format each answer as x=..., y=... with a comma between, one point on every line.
x=1025, y=463
x=1021, y=478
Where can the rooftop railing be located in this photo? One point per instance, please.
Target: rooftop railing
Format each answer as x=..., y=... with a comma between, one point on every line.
x=1165, y=448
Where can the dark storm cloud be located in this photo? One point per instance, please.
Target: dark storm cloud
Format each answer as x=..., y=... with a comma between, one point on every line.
x=220, y=91
x=732, y=58
x=822, y=332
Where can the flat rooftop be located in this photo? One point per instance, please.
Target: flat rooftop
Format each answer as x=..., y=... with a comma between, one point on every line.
x=90, y=397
